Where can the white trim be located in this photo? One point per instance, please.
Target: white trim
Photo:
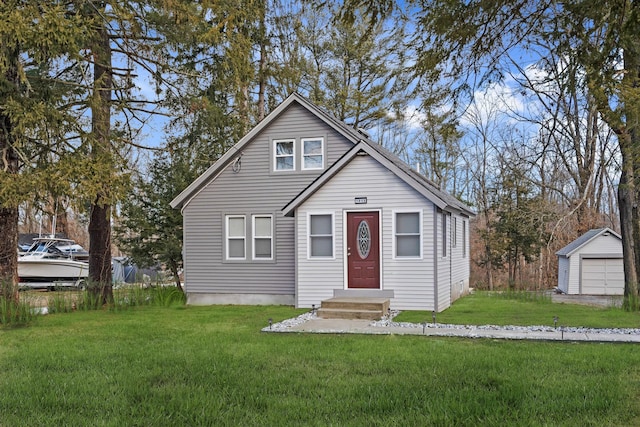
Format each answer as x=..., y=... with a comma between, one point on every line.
x=345, y=260
x=454, y=231
x=333, y=235
x=254, y=236
x=393, y=233
x=441, y=199
x=444, y=251
x=464, y=238
x=322, y=152
x=227, y=217
x=275, y=154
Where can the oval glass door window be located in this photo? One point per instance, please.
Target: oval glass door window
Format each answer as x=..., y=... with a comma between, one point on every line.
x=364, y=239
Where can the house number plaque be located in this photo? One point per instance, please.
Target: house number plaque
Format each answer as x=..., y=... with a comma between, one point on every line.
x=360, y=200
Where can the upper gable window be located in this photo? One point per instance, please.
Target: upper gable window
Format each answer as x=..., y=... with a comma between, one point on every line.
x=284, y=155
x=312, y=153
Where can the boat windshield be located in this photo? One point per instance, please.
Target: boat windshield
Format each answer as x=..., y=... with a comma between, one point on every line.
x=47, y=248
x=42, y=247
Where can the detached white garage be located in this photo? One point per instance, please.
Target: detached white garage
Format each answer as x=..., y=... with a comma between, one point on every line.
x=592, y=264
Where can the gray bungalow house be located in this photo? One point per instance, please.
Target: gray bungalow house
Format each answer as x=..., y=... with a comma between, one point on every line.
x=304, y=208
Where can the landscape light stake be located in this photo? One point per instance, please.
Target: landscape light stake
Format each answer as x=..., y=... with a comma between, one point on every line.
x=555, y=322
x=562, y=333
x=270, y=323
x=433, y=315
x=313, y=309
x=424, y=328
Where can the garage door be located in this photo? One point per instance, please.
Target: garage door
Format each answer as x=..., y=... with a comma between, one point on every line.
x=602, y=276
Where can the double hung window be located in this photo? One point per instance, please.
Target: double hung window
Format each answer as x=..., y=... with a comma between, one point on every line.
x=320, y=236
x=256, y=240
x=444, y=234
x=262, y=237
x=284, y=155
x=236, y=237
x=464, y=239
x=408, y=238
x=312, y=153
x=454, y=232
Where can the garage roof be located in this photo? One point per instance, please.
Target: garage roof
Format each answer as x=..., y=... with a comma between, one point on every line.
x=572, y=247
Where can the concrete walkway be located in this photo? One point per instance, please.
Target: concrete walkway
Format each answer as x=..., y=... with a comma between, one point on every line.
x=343, y=326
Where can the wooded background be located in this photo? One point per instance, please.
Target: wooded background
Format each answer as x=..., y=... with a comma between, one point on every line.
x=527, y=111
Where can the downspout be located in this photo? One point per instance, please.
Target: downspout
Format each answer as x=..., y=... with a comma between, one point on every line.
x=435, y=258
x=295, y=257
x=451, y=233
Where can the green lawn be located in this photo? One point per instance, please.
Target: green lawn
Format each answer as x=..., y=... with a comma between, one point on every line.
x=211, y=366
x=487, y=308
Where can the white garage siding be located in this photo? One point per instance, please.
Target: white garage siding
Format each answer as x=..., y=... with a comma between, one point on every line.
x=602, y=276
x=592, y=264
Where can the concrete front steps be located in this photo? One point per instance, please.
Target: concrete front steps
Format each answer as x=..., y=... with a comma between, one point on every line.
x=369, y=308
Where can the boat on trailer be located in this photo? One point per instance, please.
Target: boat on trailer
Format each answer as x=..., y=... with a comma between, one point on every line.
x=46, y=264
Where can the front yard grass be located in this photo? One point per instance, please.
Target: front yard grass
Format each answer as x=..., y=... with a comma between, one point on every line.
x=203, y=366
x=494, y=308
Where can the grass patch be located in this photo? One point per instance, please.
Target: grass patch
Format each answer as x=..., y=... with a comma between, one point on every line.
x=15, y=313
x=212, y=366
x=495, y=308
x=125, y=297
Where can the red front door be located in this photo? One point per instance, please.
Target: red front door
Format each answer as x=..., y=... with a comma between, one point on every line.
x=363, y=250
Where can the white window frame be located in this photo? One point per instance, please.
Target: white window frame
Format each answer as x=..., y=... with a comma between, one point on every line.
x=255, y=236
x=276, y=156
x=333, y=235
x=228, y=238
x=464, y=238
x=420, y=233
x=443, y=223
x=454, y=232
x=305, y=155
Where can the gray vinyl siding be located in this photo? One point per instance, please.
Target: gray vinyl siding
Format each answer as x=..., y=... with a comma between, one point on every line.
x=255, y=189
x=459, y=264
x=444, y=263
x=410, y=279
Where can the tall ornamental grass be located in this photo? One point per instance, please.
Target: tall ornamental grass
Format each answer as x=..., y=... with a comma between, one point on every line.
x=124, y=297
x=15, y=313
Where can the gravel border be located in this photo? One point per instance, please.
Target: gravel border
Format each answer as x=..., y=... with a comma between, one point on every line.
x=387, y=322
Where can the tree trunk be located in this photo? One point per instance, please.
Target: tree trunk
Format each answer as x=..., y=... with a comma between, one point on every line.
x=629, y=188
x=262, y=69
x=8, y=212
x=626, y=201
x=100, y=219
x=62, y=222
x=173, y=266
x=9, y=251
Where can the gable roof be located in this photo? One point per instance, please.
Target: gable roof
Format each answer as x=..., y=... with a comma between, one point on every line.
x=389, y=160
x=362, y=143
x=587, y=237
x=212, y=172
